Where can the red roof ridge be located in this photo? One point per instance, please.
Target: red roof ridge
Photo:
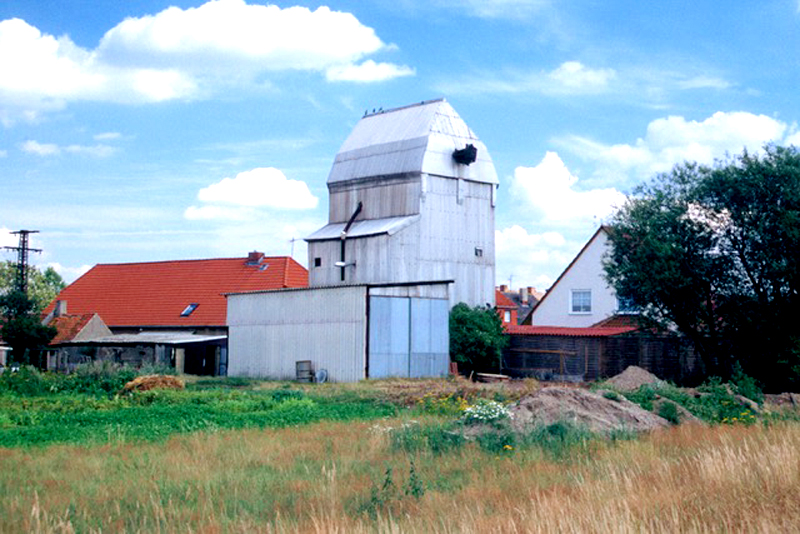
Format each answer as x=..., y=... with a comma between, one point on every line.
x=569, y=331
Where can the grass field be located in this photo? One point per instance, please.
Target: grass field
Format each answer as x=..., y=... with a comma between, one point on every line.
x=377, y=457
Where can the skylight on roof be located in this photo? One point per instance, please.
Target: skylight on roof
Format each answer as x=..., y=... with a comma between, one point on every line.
x=189, y=309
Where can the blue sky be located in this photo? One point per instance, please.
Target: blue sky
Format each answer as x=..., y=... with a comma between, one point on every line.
x=155, y=130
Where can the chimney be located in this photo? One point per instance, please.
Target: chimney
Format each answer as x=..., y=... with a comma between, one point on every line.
x=523, y=295
x=60, y=309
x=503, y=288
x=254, y=258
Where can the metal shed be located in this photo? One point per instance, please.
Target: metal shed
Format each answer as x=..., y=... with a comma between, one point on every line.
x=353, y=332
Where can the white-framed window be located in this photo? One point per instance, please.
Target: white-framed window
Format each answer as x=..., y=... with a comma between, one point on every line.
x=507, y=316
x=581, y=301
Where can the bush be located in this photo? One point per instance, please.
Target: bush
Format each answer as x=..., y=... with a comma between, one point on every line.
x=669, y=411
x=745, y=385
x=27, y=381
x=477, y=338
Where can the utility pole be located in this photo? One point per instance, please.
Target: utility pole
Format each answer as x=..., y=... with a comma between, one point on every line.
x=22, y=258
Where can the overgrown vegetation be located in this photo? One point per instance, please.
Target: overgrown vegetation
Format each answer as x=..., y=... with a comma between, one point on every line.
x=410, y=456
x=476, y=339
x=712, y=252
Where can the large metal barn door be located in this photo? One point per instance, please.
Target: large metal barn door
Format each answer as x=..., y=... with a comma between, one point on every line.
x=430, y=342
x=388, y=336
x=408, y=337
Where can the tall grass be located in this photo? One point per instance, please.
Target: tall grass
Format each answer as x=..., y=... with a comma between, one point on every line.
x=351, y=477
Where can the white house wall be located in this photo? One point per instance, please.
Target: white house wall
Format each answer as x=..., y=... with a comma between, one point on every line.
x=269, y=332
x=585, y=273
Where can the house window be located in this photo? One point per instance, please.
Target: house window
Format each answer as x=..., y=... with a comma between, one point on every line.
x=187, y=311
x=506, y=316
x=317, y=262
x=581, y=301
x=478, y=252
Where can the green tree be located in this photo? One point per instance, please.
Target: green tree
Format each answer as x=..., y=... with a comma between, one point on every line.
x=22, y=329
x=712, y=251
x=477, y=339
x=43, y=286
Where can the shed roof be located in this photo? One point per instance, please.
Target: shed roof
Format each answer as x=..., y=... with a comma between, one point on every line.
x=566, y=331
x=69, y=326
x=388, y=225
x=157, y=293
x=419, y=138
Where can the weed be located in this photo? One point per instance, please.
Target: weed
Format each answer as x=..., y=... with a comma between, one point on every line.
x=669, y=411
x=437, y=438
x=611, y=395
x=485, y=412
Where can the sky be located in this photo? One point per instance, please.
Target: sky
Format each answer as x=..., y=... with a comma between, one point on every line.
x=151, y=130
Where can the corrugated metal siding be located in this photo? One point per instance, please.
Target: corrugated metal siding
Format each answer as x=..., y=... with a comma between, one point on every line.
x=269, y=332
x=408, y=337
x=380, y=199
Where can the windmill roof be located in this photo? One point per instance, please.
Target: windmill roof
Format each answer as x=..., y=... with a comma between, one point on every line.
x=419, y=138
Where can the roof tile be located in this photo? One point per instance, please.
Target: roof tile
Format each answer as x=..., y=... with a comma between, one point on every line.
x=155, y=293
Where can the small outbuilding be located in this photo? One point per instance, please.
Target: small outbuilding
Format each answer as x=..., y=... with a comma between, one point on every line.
x=351, y=332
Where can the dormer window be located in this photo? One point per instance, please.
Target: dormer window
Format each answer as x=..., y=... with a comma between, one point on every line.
x=187, y=311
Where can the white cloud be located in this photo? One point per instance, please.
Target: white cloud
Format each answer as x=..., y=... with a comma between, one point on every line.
x=182, y=54
x=40, y=149
x=528, y=257
x=69, y=274
x=569, y=78
x=50, y=149
x=492, y=9
x=264, y=186
x=574, y=77
x=549, y=189
x=107, y=136
x=672, y=140
x=368, y=71
x=7, y=239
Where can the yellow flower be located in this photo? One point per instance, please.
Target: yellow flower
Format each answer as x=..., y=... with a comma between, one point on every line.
x=508, y=447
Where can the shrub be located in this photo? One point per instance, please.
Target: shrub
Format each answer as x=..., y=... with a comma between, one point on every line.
x=477, y=338
x=27, y=381
x=745, y=385
x=669, y=411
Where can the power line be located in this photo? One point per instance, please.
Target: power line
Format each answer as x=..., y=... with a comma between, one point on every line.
x=23, y=249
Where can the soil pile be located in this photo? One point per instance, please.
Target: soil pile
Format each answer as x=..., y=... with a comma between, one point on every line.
x=147, y=382
x=584, y=408
x=632, y=379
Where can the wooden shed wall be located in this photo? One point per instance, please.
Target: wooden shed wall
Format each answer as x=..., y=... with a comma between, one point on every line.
x=597, y=358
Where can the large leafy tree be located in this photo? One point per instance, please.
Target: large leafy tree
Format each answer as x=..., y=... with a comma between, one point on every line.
x=711, y=251
x=22, y=328
x=43, y=286
x=477, y=338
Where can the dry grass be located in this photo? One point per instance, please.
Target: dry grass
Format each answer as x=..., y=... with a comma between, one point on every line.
x=324, y=478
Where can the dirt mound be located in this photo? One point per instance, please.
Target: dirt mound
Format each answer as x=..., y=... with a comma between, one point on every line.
x=584, y=408
x=147, y=382
x=632, y=379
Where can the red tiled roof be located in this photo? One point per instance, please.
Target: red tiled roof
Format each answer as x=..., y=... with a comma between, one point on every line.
x=69, y=326
x=502, y=301
x=155, y=293
x=619, y=320
x=592, y=331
